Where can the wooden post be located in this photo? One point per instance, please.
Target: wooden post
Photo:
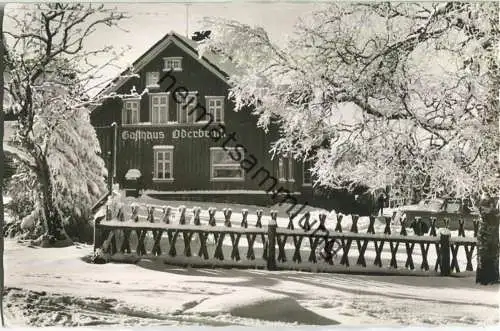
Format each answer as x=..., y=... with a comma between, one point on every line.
x=110, y=172
x=444, y=247
x=151, y=218
x=97, y=234
x=227, y=215
x=271, y=241
x=211, y=213
x=135, y=213
x=109, y=216
x=121, y=215
x=354, y=226
x=182, y=215
x=259, y=219
x=166, y=214
x=244, y=222
x=196, y=216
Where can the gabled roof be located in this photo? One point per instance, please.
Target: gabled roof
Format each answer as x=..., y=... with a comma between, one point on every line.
x=214, y=63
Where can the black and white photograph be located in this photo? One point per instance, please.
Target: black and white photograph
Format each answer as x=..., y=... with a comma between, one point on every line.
x=250, y=163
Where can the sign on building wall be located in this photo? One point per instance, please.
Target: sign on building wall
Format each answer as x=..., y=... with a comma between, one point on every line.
x=177, y=134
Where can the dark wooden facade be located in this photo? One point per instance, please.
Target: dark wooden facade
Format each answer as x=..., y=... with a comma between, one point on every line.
x=191, y=143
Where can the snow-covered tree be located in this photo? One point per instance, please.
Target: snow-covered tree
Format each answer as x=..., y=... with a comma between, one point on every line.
x=2, y=66
x=377, y=94
x=50, y=69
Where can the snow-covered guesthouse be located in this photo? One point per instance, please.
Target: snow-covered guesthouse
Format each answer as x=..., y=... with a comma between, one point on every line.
x=179, y=131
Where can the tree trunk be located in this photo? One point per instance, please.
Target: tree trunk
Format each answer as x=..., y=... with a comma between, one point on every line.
x=53, y=219
x=1, y=163
x=487, y=240
x=488, y=243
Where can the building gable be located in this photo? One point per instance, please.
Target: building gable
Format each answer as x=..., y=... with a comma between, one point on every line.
x=219, y=69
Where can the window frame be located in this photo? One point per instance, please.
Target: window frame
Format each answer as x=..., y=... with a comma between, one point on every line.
x=159, y=94
x=304, y=168
x=281, y=170
x=290, y=169
x=163, y=149
x=215, y=98
x=173, y=59
x=154, y=85
x=138, y=110
x=180, y=109
x=221, y=165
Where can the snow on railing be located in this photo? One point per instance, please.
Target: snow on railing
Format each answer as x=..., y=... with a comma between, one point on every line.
x=210, y=238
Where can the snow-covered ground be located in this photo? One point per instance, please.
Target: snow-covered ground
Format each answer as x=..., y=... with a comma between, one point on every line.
x=57, y=287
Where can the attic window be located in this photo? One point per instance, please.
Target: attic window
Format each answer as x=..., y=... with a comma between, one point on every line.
x=174, y=63
x=152, y=79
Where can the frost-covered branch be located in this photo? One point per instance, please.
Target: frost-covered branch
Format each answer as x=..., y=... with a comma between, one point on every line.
x=379, y=93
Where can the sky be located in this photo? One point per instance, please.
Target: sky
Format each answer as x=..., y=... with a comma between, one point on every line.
x=149, y=22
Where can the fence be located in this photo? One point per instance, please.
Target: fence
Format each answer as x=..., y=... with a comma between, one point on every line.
x=210, y=238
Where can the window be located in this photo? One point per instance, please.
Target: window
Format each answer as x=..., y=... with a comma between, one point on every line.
x=130, y=113
x=290, y=170
x=152, y=79
x=306, y=174
x=285, y=169
x=215, y=106
x=281, y=170
x=185, y=113
x=222, y=165
x=159, y=108
x=163, y=162
x=174, y=63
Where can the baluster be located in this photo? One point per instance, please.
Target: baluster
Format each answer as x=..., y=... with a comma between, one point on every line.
x=461, y=229
x=166, y=214
x=403, y=227
x=387, y=229
x=418, y=226
x=433, y=227
x=182, y=215
x=354, y=227
x=322, y=220
x=307, y=225
x=135, y=213
x=121, y=214
x=211, y=214
x=244, y=215
x=108, y=213
x=393, y=217
x=446, y=223
x=476, y=227
x=290, y=221
x=338, y=227
x=151, y=210
x=371, y=226
x=274, y=216
x=227, y=215
x=196, y=216
x=259, y=219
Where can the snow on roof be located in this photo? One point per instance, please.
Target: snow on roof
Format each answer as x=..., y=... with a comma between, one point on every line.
x=219, y=62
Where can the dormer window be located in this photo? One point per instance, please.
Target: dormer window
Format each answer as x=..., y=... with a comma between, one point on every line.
x=174, y=63
x=152, y=79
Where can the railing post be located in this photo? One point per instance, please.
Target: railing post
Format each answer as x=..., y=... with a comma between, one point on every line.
x=271, y=241
x=444, y=247
x=182, y=215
